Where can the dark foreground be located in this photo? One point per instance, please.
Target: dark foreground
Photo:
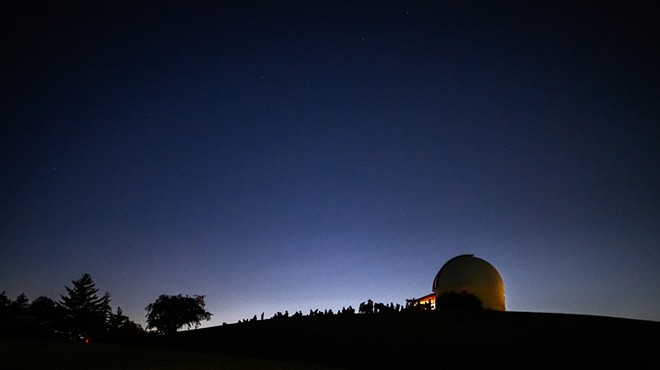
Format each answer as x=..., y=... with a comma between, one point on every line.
x=433, y=340
x=427, y=340
x=32, y=354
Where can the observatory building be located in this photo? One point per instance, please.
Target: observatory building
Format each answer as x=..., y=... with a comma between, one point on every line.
x=467, y=274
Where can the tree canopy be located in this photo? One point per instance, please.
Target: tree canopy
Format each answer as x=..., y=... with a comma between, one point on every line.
x=45, y=308
x=170, y=313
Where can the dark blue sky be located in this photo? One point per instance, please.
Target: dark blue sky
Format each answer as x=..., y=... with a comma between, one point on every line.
x=297, y=155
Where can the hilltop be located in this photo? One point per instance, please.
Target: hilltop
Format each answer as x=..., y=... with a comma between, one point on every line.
x=437, y=339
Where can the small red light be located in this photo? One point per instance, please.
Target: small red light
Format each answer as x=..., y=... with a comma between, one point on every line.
x=87, y=340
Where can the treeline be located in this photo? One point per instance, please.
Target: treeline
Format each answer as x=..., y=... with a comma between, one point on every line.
x=79, y=315
x=83, y=315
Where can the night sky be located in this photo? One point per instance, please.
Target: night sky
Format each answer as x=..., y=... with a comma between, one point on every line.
x=298, y=155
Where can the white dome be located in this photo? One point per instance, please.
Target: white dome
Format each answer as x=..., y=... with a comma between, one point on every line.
x=469, y=274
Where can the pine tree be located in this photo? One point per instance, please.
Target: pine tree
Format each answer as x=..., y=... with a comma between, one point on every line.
x=22, y=302
x=5, y=304
x=87, y=314
x=20, y=305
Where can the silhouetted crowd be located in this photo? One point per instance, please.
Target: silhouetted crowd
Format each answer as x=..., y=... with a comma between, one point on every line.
x=368, y=307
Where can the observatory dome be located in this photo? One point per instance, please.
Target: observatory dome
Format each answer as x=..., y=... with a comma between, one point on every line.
x=469, y=274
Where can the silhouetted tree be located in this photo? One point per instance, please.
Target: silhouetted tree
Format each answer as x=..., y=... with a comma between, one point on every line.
x=46, y=309
x=171, y=312
x=86, y=313
x=4, y=300
x=9, y=309
x=462, y=301
x=20, y=305
x=5, y=304
x=118, y=320
x=121, y=328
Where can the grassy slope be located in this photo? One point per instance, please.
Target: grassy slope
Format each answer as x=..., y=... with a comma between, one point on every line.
x=439, y=340
x=37, y=354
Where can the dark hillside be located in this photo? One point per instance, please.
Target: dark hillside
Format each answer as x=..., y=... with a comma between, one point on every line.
x=439, y=339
